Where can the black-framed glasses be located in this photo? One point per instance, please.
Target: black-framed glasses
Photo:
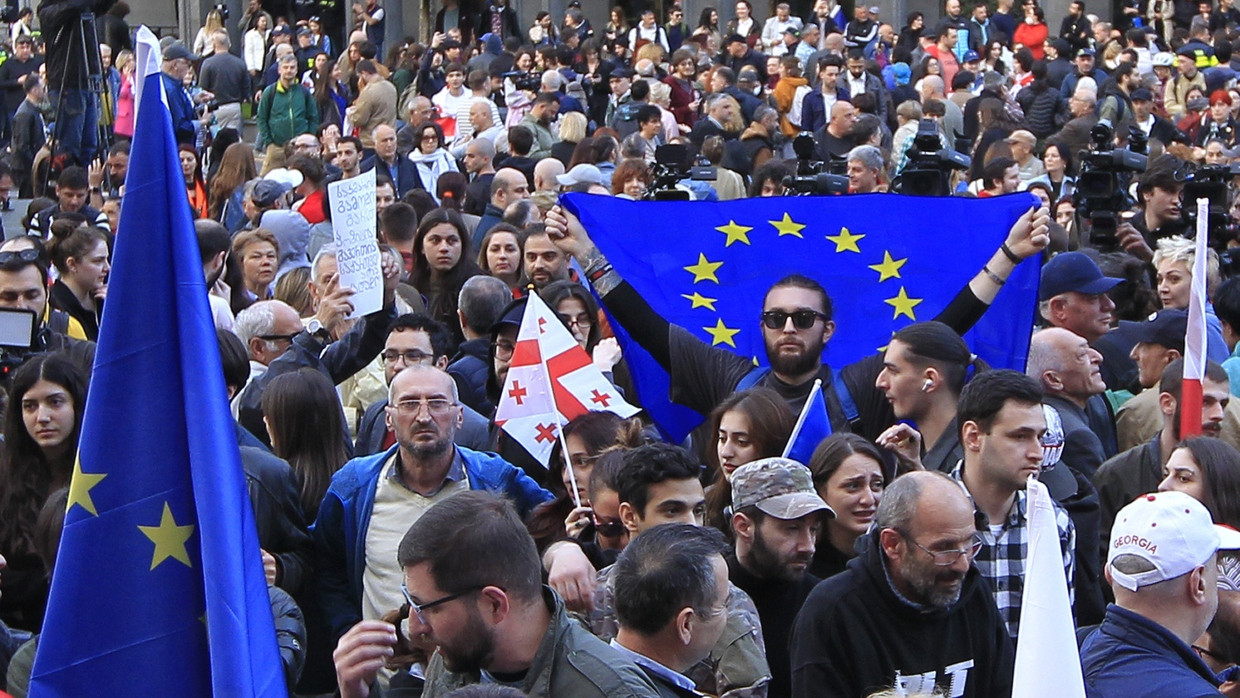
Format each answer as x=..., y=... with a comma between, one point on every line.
x=27, y=255
x=946, y=558
x=420, y=609
x=277, y=337
x=801, y=319
x=504, y=349
x=411, y=356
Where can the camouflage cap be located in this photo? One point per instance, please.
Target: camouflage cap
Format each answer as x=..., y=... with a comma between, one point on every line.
x=779, y=487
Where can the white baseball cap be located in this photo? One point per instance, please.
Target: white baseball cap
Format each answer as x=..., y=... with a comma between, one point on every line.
x=291, y=179
x=1170, y=530
x=582, y=173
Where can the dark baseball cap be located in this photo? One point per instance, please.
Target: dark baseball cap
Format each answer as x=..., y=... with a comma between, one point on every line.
x=267, y=191
x=282, y=29
x=1166, y=327
x=1073, y=271
x=178, y=50
x=1142, y=94
x=1085, y=52
x=733, y=38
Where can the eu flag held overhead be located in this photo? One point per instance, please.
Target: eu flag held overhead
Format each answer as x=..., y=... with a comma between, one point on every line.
x=886, y=260
x=158, y=588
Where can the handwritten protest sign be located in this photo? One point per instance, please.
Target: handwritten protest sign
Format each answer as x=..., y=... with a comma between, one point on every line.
x=353, y=225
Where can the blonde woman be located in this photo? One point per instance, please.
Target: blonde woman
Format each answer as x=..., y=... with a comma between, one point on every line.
x=203, y=46
x=572, y=130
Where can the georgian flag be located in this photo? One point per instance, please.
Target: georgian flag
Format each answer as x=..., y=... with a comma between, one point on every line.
x=1195, y=337
x=551, y=381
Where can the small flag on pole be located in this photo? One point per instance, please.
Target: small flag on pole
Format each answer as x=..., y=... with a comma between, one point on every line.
x=813, y=425
x=551, y=381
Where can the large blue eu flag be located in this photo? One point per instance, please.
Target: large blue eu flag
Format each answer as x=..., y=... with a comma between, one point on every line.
x=158, y=587
x=886, y=260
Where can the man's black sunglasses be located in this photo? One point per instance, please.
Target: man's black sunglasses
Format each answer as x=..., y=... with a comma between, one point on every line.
x=801, y=319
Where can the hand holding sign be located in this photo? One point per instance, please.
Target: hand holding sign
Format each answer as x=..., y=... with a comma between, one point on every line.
x=335, y=307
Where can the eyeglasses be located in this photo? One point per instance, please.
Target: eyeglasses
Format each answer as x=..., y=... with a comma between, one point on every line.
x=420, y=610
x=582, y=320
x=277, y=337
x=801, y=319
x=27, y=255
x=1203, y=653
x=504, y=349
x=946, y=558
x=436, y=406
x=411, y=356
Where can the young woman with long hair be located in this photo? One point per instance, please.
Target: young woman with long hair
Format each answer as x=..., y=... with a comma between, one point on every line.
x=848, y=474
x=442, y=263
x=302, y=414
x=748, y=425
x=41, y=428
x=226, y=192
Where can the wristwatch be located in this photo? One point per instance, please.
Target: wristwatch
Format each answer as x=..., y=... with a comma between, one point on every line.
x=316, y=328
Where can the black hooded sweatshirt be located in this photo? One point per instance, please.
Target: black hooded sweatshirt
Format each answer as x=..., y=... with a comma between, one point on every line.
x=854, y=636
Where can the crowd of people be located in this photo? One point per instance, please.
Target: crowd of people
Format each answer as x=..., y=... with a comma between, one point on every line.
x=413, y=548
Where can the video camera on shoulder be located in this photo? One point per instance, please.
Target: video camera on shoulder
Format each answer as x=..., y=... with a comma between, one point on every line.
x=669, y=168
x=528, y=81
x=1210, y=182
x=18, y=332
x=930, y=165
x=1102, y=186
x=813, y=177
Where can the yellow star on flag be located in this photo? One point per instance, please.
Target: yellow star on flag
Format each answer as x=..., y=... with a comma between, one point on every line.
x=169, y=539
x=845, y=241
x=704, y=270
x=787, y=226
x=80, y=486
x=735, y=233
x=890, y=268
x=903, y=304
x=700, y=301
x=721, y=334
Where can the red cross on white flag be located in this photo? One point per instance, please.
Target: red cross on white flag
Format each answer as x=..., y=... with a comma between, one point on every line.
x=551, y=381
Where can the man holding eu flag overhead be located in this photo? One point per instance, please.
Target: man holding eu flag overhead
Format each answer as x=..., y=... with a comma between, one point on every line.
x=796, y=320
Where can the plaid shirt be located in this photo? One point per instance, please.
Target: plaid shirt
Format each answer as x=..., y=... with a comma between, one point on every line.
x=1002, y=558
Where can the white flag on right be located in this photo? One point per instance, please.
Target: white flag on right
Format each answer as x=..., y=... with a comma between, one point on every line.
x=1047, y=660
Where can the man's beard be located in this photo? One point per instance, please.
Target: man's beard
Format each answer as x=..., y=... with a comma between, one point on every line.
x=793, y=364
x=476, y=648
x=434, y=448
x=924, y=578
x=766, y=564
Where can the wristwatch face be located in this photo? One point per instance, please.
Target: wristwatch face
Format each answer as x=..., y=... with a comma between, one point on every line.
x=314, y=327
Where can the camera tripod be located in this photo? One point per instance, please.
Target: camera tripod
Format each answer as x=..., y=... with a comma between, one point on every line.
x=91, y=65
